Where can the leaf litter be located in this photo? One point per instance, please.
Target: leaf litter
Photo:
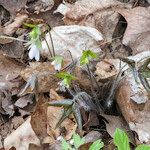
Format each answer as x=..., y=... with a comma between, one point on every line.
x=112, y=93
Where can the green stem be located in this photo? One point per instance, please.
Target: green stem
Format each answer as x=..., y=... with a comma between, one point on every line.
x=48, y=47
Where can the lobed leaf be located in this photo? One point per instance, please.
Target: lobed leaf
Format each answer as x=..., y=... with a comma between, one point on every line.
x=67, y=78
x=59, y=103
x=65, y=145
x=97, y=145
x=78, y=141
x=86, y=56
x=121, y=140
x=77, y=115
x=143, y=147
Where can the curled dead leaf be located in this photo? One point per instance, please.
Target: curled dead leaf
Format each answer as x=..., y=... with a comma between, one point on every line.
x=95, y=13
x=137, y=34
x=18, y=21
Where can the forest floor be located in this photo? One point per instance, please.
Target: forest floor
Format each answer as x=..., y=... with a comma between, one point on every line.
x=74, y=72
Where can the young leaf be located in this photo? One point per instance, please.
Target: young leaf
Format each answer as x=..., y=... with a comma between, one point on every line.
x=143, y=147
x=29, y=25
x=59, y=103
x=65, y=145
x=86, y=56
x=121, y=140
x=145, y=70
x=97, y=145
x=57, y=62
x=78, y=141
x=35, y=36
x=67, y=78
x=77, y=115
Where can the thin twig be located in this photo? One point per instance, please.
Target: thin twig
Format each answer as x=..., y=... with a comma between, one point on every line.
x=12, y=38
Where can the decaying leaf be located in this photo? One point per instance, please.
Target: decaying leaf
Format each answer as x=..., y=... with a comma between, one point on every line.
x=133, y=101
x=13, y=6
x=45, y=74
x=47, y=79
x=21, y=137
x=11, y=28
x=95, y=13
x=7, y=106
x=137, y=34
x=107, y=69
x=10, y=69
x=39, y=118
x=24, y=101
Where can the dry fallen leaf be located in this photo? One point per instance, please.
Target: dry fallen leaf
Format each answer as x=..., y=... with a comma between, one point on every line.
x=40, y=6
x=95, y=13
x=137, y=34
x=47, y=79
x=10, y=69
x=24, y=101
x=107, y=69
x=134, y=104
x=21, y=137
x=13, y=6
x=39, y=118
x=73, y=38
x=45, y=74
x=18, y=21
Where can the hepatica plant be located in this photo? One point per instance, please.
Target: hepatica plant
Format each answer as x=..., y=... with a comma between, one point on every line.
x=86, y=56
x=35, y=42
x=66, y=78
x=121, y=140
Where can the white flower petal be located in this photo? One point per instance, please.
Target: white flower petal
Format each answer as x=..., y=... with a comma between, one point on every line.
x=34, y=52
x=58, y=67
x=37, y=56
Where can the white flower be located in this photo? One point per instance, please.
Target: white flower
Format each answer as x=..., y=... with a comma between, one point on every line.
x=34, y=52
x=72, y=142
x=56, y=65
x=57, y=62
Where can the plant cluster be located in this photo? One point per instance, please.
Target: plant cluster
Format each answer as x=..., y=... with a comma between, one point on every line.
x=120, y=140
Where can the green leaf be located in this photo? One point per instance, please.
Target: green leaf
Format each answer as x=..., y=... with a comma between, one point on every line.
x=59, y=103
x=29, y=25
x=67, y=78
x=143, y=147
x=78, y=141
x=35, y=36
x=77, y=115
x=97, y=145
x=65, y=145
x=86, y=56
x=38, y=43
x=121, y=140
